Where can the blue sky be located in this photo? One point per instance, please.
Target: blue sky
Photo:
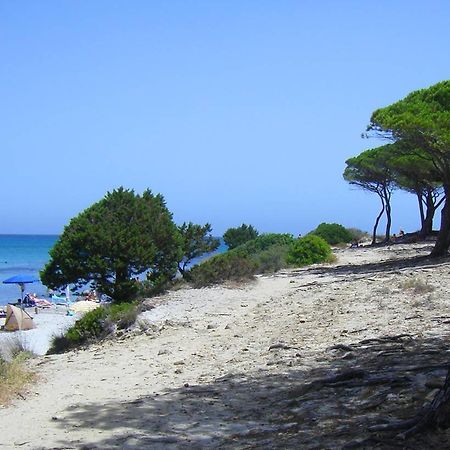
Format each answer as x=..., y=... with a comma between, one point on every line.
x=236, y=111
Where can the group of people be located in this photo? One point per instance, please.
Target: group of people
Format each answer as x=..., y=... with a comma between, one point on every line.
x=33, y=300
x=398, y=238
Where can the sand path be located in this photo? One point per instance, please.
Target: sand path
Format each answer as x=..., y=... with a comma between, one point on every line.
x=212, y=361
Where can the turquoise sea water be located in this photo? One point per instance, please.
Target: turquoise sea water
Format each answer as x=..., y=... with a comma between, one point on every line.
x=28, y=254
x=22, y=254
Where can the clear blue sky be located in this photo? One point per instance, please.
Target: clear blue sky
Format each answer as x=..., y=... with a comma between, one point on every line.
x=236, y=111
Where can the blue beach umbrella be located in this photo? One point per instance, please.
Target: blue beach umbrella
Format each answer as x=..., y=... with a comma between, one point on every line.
x=21, y=280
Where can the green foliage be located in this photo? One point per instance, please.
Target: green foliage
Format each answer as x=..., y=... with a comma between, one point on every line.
x=421, y=118
x=95, y=325
x=421, y=123
x=272, y=259
x=117, y=238
x=371, y=170
x=229, y=266
x=196, y=241
x=234, y=237
x=265, y=242
x=265, y=253
x=333, y=233
x=121, y=315
x=310, y=249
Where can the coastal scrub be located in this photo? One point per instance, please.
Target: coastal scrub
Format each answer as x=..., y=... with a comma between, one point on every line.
x=112, y=242
x=310, y=249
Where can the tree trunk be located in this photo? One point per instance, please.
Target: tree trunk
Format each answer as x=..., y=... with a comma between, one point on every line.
x=377, y=221
x=388, y=218
x=436, y=415
x=443, y=239
x=427, y=226
x=421, y=211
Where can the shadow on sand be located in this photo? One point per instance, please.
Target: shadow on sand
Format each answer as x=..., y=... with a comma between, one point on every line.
x=332, y=404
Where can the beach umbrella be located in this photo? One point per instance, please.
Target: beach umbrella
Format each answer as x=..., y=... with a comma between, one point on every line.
x=21, y=280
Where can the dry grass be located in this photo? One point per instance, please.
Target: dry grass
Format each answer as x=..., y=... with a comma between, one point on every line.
x=14, y=375
x=417, y=285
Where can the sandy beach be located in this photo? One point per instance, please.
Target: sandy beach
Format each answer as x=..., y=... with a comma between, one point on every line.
x=48, y=323
x=252, y=366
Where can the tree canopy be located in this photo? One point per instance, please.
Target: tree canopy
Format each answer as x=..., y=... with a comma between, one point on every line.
x=196, y=240
x=371, y=170
x=333, y=233
x=118, y=238
x=234, y=237
x=422, y=121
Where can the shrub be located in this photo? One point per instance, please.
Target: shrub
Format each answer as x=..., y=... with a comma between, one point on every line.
x=15, y=346
x=95, y=325
x=264, y=242
x=122, y=315
x=273, y=259
x=234, y=237
x=309, y=250
x=417, y=285
x=14, y=377
x=333, y=233
x=224, y=267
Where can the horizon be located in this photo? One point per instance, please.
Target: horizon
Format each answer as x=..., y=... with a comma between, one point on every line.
x=236, y=113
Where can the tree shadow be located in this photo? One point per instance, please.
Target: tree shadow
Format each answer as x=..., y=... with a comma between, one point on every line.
x=390, y=266
x=332, y=404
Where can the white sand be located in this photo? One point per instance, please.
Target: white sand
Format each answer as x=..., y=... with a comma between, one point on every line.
x=131, y=393
x=48, y=323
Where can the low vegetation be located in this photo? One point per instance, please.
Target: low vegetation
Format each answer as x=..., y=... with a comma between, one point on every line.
x=417, y=285
x=229, y=266
x=14, y=375
x=266, y=253
x=333, y=233
x=96, y=325
x=310, y=249
x=234, y=237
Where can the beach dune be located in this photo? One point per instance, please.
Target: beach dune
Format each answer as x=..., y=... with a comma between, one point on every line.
x=230, y=367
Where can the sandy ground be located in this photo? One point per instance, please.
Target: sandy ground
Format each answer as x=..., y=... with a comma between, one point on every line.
x=208, y=368
x=48, y=322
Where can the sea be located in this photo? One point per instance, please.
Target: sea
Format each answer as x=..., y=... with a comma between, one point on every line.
x=28, y=254
x=23, y=254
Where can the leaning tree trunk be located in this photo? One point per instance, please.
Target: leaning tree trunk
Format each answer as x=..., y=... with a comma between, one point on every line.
x=388, y=217
x=421, y=211
x=443, y=239
x=437, y=413
x=427, y=225
x=377, y=221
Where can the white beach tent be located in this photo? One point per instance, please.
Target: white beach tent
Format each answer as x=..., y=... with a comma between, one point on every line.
x=17, y=319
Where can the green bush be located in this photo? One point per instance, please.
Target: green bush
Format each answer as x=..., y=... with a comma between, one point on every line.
x=273, y=259
x=96, y=325
x=310, y=249
x=265, y=242
x=234, y=237
x=265, y=253
x=333, y=233
x=224, y=267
